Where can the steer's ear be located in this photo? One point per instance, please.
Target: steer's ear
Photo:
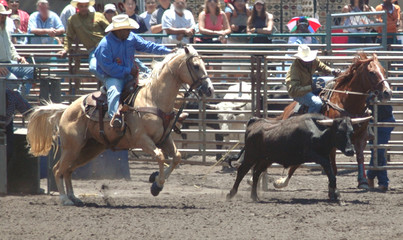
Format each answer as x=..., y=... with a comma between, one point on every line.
x=325, y=122
x=360, y=120
x=212, y=106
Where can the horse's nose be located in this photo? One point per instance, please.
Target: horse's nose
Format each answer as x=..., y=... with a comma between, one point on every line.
x=387, y=94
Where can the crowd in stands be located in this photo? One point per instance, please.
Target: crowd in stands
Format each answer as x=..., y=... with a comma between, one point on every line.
x=173, y=18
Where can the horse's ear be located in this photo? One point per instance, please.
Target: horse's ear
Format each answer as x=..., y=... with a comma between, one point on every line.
x=187, y=50
x=375, y=57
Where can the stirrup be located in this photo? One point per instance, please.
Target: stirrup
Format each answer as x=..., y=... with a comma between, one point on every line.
x=117, y=122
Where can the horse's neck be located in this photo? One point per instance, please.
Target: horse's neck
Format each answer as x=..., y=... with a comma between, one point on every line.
x=164, y=88
x=353, y=104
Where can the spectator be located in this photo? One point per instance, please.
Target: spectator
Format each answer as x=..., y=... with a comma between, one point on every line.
x=260, y=22
x=392, y=21
x=24, y=16
x=14, y=101
x=115, y=56
x=238, y=21
x=178, y=23
x=88, y=27
x=8, y=54
x=44, y=22
x=213, y=21
x=156, y=17
x=302, y=27
x=70, y=10
x=9, y=23
x=356, y=6
x=384, y=115
x=151, y=6
x=110, y=11
x=17, y=30
x=130, y=9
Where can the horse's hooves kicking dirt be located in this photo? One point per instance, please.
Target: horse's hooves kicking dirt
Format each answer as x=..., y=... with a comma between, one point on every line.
x=155, y=189
x=153, y=176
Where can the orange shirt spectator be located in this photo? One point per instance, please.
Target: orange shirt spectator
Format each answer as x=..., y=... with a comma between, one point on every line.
x=393, y=16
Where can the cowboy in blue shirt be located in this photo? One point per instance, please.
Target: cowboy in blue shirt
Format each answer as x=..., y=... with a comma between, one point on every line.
x=115, y=60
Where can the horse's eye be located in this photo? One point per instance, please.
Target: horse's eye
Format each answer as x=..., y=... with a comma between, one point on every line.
x=197, y=67
x=372, y=73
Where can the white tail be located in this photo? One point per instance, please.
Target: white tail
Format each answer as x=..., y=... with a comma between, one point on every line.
x=43, y=128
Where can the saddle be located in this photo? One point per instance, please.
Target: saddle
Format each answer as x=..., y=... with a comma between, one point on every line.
x=95, y=105
x=324, y=96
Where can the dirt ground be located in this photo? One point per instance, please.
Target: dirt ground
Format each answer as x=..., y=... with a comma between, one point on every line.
x=127, y=210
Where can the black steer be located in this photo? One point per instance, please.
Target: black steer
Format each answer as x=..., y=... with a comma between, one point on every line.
x=300, y=139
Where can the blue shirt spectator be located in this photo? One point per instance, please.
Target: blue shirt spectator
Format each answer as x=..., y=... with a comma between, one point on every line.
x=44, y=22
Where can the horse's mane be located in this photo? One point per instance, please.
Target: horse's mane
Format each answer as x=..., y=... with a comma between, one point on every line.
x=361, y=58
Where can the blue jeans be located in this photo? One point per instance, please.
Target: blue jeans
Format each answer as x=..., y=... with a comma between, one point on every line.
x=312, y=101
x=114, y=88
x=383, y=138
x=21, y=72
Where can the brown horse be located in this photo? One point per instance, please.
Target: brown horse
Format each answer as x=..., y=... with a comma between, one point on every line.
x=80, y=138
x=364, y=77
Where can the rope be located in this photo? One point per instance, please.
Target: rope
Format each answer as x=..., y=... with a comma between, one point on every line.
x=346, y=92
x=215, y=164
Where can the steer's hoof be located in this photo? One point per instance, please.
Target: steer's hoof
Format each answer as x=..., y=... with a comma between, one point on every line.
x=334, y=195
x=155, y=189
x=153, y=176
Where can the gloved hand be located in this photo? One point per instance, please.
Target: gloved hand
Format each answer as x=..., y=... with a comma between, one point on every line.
x=316, y=88
x=336, y=72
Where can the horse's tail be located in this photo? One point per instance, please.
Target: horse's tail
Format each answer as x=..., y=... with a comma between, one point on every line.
x=232, y=158
x=43, y=128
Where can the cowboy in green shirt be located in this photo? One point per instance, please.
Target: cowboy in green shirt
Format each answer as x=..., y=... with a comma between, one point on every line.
x=299, y=78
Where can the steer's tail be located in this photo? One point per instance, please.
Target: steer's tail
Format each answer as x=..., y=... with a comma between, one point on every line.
x=43, y=128
x=232, y=158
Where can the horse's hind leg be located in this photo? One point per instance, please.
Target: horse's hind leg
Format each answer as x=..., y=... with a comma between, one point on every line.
x=67, y=157
x=89, y=152
x=283, y=182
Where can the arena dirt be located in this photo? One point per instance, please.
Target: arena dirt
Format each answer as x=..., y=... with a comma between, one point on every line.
x=119, y=209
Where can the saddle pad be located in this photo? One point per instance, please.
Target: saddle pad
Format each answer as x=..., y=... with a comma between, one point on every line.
x=91, y=111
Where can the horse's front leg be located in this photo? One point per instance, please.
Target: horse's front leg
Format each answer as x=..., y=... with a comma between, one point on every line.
x=170, y=148
x=362, y=178
x=149, y=147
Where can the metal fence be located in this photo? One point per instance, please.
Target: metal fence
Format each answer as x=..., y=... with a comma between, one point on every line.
x=234, y=64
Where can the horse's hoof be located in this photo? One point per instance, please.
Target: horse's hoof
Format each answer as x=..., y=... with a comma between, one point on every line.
x=76, y=201
x=66, y=201
x=153, y=176
x=363, y=185
x=155, y=189
x=334, y=194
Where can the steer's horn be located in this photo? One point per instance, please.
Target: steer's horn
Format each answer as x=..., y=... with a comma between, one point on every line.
x=326, y=122
x=237, y=107
x=360, y=120
x=212, y=106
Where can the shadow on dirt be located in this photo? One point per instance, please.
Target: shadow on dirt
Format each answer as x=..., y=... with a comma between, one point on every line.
x=304, y=201
x=124, y=206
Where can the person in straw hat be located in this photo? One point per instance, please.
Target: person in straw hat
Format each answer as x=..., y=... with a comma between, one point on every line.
x=88, y=27
x=116, y=62
x=8, y=54
x=299, y=78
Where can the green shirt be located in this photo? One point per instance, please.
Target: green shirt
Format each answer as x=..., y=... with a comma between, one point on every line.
x=299, y=78
x=89, y=30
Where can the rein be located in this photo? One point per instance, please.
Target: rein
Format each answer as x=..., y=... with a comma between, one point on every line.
x=346, y=92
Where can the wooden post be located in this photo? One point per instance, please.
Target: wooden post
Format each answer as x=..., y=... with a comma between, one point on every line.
x=3, y=138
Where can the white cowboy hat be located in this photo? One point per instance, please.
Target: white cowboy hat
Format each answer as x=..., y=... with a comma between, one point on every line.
x=122, y=21
x=90, y=2
x=3, y=10
x=305, y=53
x=110, y=7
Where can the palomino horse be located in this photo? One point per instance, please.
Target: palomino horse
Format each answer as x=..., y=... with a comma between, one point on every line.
x=80, y=138
x=364, y=77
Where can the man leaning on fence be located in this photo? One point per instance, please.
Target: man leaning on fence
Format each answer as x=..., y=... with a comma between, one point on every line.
x=8, y=54
x=88, y=27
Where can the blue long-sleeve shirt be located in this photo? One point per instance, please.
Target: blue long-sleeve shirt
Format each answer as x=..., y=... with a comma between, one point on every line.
x=115, y=58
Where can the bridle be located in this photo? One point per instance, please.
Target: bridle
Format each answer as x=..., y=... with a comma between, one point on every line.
x=195, y=81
